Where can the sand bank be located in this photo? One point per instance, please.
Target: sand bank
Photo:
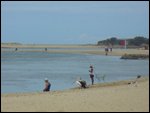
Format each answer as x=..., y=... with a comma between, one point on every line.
x=117, y=96
x=76, y=49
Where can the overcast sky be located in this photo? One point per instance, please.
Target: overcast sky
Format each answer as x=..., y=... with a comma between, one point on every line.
x=72, y=22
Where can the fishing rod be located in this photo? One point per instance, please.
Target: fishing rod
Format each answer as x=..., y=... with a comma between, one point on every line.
x=94, y=67
x=95, y=73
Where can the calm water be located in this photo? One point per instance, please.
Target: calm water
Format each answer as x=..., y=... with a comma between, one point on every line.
x=25, y=71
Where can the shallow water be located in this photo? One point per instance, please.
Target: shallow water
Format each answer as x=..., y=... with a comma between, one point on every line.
x=25, y=71
x=48, y=48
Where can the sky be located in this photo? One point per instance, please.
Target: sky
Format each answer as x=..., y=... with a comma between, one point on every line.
x=78, y=22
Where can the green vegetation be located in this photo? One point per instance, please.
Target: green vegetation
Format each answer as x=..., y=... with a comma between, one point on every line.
x=136, y=41
x=135, y=56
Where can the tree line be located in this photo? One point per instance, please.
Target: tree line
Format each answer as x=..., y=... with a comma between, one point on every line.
x=136, y=41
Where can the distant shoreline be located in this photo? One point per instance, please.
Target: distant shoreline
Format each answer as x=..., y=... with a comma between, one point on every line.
x=14, y=45
x=75, y=49
x=90, y=49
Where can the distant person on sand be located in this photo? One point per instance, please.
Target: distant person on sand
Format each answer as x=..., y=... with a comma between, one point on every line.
x=16, y=49
x=110, y=49
x=106, y=51
x=91, y=74
x=47, y=85
x=45, y=49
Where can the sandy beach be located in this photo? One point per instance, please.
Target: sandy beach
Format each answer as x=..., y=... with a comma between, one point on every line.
x=117, y=96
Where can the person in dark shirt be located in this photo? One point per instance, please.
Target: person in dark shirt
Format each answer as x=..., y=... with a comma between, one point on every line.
x=81, y=83
x=106, y=51
x=45, y=49
x=16, y=49
x=47, y=85
x=91, y=74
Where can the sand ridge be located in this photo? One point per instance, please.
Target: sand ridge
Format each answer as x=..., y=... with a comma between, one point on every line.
x=76, y=49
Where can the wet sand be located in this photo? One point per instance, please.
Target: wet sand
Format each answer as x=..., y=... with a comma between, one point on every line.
x=117, y=96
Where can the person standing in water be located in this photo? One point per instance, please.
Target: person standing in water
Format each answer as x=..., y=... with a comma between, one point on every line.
x=91, y=74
